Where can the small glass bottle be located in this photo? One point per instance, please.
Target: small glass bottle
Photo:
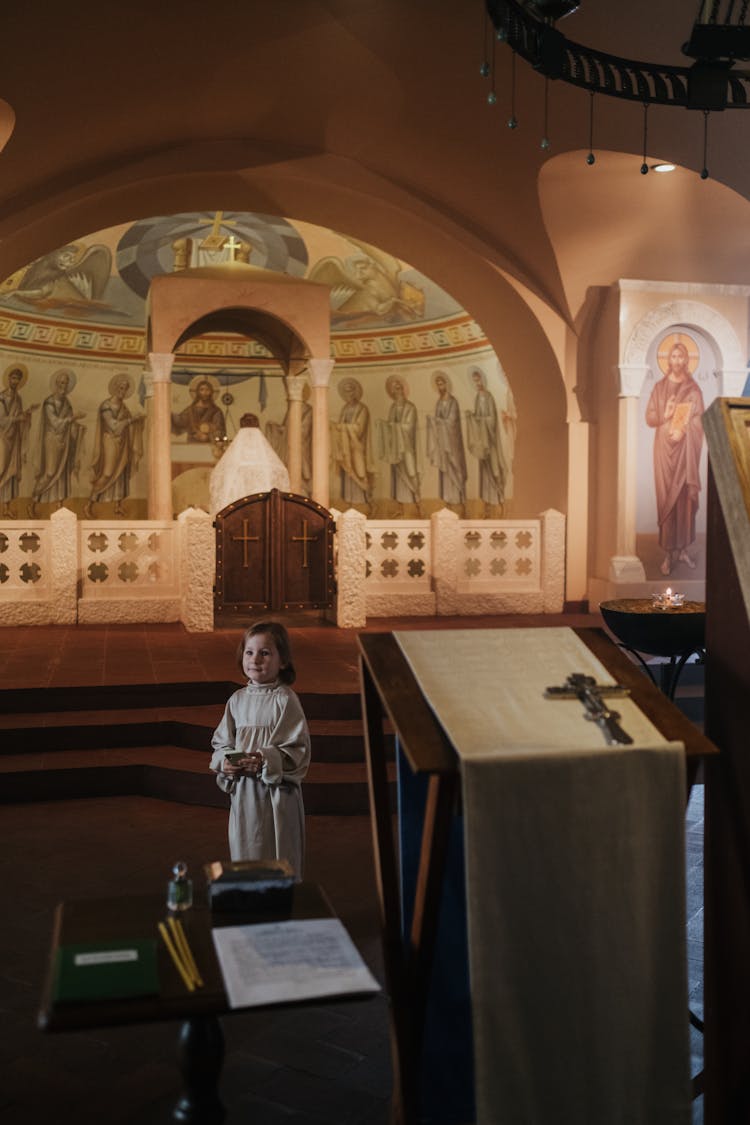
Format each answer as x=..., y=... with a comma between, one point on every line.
x=179, y=888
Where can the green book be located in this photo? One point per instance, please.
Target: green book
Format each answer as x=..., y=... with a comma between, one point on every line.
x=106, y=970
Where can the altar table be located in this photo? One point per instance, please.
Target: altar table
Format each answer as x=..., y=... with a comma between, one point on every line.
x=390, y=689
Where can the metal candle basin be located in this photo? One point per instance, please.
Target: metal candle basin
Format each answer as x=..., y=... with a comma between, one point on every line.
x=639, y=624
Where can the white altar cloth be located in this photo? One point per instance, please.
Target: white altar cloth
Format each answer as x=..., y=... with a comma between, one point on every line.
x=248, y=466
x=575, y=885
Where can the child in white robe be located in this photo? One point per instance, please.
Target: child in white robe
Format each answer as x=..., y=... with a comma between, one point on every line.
x=265, y=722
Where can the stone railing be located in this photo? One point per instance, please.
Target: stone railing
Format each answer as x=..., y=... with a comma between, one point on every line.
x=448, y=566
x=63, y=571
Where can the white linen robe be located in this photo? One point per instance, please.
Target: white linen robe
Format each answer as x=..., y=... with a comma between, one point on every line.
x=266, y=816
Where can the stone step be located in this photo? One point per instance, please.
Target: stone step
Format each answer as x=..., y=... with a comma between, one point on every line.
x=129, y=697
x=168, y=773
x=332, y=741
x=154, y=740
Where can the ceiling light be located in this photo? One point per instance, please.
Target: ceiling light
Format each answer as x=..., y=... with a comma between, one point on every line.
x=720, y=37
x=663, y=167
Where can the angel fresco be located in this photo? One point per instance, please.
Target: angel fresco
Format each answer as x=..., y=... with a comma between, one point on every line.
x=73, y=277
x=366, y=288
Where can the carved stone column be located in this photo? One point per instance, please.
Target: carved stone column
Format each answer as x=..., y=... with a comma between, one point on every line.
x=159, y=390
x=351, y=601
x=625, y=566
x=197, y=570
x=295, y=385
x=64, y=566
x=320, y=375
x=445, y=540
x=577, y=524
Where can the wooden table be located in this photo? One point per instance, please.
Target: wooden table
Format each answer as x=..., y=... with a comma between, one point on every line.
x=201, y=1041
x=390, y=691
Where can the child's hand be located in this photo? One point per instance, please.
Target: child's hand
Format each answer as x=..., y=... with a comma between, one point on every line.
x=254, y=763
x=236, y=767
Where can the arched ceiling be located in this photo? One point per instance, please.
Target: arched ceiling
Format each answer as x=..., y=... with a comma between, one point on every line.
x=661, y=226
x=368, y=117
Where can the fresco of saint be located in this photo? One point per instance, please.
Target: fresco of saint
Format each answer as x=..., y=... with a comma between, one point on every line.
x=118, y=447
x=14, y=432
x=278, y=436
x=484, y=442
x=397, y=441
x=352, y=445
x=445, y=443
x=202, y=420
x=59, y=443
x=674, y=412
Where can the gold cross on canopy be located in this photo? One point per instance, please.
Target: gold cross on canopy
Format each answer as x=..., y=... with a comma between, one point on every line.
x=216, y=240
x=232, y=244
x=304, y=538
x=244, y=539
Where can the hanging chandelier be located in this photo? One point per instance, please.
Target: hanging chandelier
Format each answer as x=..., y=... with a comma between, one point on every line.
x=719, y=39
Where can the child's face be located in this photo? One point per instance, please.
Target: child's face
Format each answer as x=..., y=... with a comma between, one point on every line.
x=261, y=662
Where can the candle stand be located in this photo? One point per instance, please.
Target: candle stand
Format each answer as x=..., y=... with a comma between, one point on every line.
x=666, y=626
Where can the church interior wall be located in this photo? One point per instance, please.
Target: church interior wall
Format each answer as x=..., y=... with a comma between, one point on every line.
x=510, y=349
x=604, y=406
x=541, y=463
x=192, y=460
x=711, y=320
x=729, y=302
x=89, y=385
x=638, y=326
x=500, y=335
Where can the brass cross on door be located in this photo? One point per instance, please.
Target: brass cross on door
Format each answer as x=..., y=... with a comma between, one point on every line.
x=274, y=551
x=304, y=539
x=244, y=539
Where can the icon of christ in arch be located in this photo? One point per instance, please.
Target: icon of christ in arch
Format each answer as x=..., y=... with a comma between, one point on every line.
x=674, y=413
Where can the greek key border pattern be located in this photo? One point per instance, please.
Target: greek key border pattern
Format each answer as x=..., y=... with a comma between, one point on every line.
x=452, y=337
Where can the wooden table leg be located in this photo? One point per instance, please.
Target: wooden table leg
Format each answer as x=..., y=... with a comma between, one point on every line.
x=407, y=966
x=404, y=1098
x=441, y=798
x=201, y=1054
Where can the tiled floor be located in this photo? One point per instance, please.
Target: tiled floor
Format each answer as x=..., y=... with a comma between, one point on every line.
x=326, y=657
x=318, y=1066
x=312, y=1066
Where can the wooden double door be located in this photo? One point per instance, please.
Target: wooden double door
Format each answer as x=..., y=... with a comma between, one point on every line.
x=274, y=551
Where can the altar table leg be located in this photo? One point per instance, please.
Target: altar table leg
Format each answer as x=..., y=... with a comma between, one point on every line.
x=403, y=1100
x=407, y=967
x=201, y=1054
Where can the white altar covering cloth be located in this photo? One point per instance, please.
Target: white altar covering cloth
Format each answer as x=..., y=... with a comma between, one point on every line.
x=248, y=466
x=575, y=885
